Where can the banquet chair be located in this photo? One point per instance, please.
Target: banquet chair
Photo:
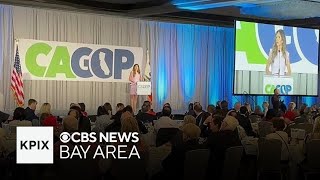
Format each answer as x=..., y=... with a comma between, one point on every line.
x=312, y=165
x=195, y=164
x=269, y=158
x=232, y=163
x=305, y=126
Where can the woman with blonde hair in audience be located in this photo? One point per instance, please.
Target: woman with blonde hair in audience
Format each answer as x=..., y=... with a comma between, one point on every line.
x=188, y=119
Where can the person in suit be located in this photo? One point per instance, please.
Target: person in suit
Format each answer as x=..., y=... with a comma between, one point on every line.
x=275, y=100
x=244, y=121
x=201, y=116
x=30, y=110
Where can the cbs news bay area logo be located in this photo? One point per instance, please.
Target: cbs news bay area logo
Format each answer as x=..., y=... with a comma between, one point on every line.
x=35, y=145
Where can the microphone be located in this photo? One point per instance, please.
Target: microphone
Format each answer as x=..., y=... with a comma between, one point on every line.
x=279, y=63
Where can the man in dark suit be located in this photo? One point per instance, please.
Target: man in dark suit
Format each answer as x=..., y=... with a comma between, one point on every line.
x=32, y=106
x=200, y=114
x=275, y=100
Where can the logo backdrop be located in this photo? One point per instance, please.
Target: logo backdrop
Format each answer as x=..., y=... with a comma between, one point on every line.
x=50, y=60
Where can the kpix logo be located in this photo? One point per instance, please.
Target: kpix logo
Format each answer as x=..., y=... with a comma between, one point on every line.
x=34, y=145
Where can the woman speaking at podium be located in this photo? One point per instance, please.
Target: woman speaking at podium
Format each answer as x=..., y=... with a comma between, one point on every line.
x=134, y=78
x=279, y=57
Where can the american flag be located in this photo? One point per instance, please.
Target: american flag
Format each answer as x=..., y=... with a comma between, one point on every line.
x=16, y=81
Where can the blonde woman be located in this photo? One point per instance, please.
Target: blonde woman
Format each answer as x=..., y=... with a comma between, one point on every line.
x=279, y=57
x=188, y=119
x=45, y=108
x=134, y=77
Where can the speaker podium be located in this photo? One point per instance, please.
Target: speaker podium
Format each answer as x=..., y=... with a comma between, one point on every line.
x=143, y=88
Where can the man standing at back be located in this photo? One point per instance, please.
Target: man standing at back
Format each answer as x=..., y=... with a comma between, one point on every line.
x=32, y=106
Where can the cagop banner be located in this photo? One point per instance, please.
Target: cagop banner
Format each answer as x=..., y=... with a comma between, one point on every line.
x=51, y=60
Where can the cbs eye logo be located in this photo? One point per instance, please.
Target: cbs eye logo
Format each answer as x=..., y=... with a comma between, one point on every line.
x=65, y=137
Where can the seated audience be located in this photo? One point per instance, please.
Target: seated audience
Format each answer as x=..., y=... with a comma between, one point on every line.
x=279, y=134
x=103, y=119
x=29, y=111
x=84, y=122
x=174, y=163
x=146, y=115
x=237, y=107
x=265, y=106
x=219, y=142
x=44, y=109
x=159, y=114
x=75, y=167
x=248, y=106
x=19, y=116
x=224, y=107
x=290, y=115
x=190, y=110
x=244, y=121
x=83, y=109
x=165, y=121
x=199, y=114
x=211, y=109
x=188, y=119
x=258, y=111
x=119, y=109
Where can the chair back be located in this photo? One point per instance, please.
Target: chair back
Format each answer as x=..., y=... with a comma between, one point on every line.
x=165, y=135
x=313, y=155
x=196, y=164
x=269, y=155
x=232, y=162
x=304, y=126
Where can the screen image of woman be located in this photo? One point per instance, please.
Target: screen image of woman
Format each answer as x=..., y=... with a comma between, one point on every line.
x=278, y=63
x=134, y=77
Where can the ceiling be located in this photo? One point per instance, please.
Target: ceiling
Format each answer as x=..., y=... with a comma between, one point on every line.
x=219, y=12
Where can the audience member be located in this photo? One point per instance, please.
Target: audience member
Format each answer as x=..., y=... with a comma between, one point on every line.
x=174, y=163
x=219, y=142
x=265, y=106
x=211, y=109
x=224, y=107
x=19, y=116
x=244, y=121
x=32, y=106
x=248, y=106
x=290, y=115
x=83, y=109
x=279, y=134
x=103, y=119
x=84, y=122
x=190, y=110
x=188, y=119
x=258, y=111
x=146, y=115
x=237, y=106
x=165, y=121
x=199, y=114
x=119, y=109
